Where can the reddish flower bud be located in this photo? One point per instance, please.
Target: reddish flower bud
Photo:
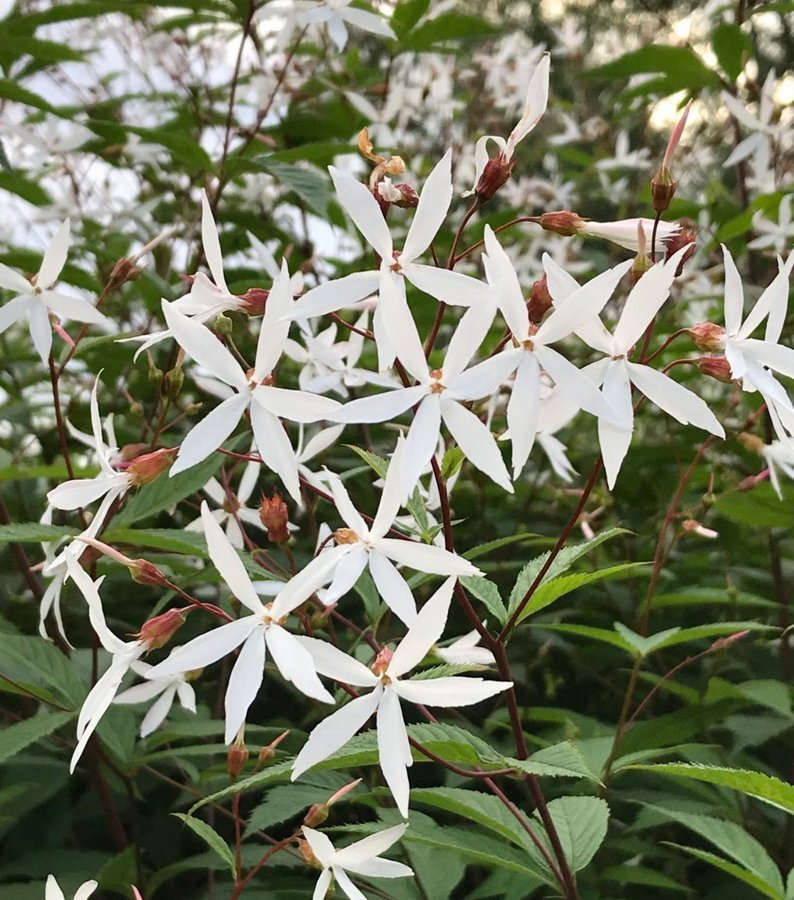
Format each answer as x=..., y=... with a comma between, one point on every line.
x=144, y=572
x=723, y=642
x=563, y=222
x=539, y=300
x=237, y=755
x=408, y=196
x=254, y=301
x=157, y=632
x=496, y=172
x=707, y=336
x=692, y=526
x=716, y=367
x=318, y=812
x=662, y=189
x=686, y=235
x=125, y=270
x=130, y=452
x=146, y=468
x=274, y=515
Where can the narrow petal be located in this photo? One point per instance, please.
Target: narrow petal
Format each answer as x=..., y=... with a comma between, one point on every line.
x=295, y=663
x=73, y=308
x=347, y=573
x=225, y=559
x=325, y=438
x=734, y=294
x=616, y=439
x=645, y=300
x=774, y=356
x=275, y=325
x=335, y=731
x=54, y=257
x=13, y=281
x=311, y=578
x=421, y=443
x=367, y=21
x=334, y=295
x=157, y=712
x=466, y=340
x=378, y=868
x=347, y=886
x=323, y=882
x=321, y=846
x=535, y=105
x=83, y=491
x=391, y=499
x=574, y=383
x=211, y=243
x=333, y=663
x=676, y=400
x=523, y=410
x=431, y=210
x=344, y=505
x=40, y=331
x=205, y=437
x=14, y=311
x=451, y=691
x=244, y=682
x=483, y=379
x=400, y=325
x=426, y=630
x=52, y=891
x=380, y=407
x=426, y=558
x=392, y=587
x=275, y=448
x=140, y=693
x=296, y=406
x=476, y=442
x=363, y=209
x=206, y=648
x=394, y=751
x=452, y=288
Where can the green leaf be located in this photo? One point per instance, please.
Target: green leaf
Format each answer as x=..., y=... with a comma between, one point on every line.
x=730, y=868
x=20, y=735
x=210, y=837
x=680, y=66
x=449, y=26
x=40, y=662
x=760, y=507
x=31, y=191
x=562, y=760
x=451, y=463
x=33, y=533
x=173, y=540
x=551, y=591
x=378, y=463
x=4, y=163
x=182, y=147
x=498, y=543
x=406, y=14
x=755, y=784
x=488, y=593
x=10, y=90
x=730, y=45
x=581, y=823
x=307, y=182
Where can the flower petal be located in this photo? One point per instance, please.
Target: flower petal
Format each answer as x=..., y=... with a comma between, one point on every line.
x=347, y=573
x=392, y=587
x=73, y=308
x=295, y=406
x=452, y=288
x=40, y=331
x=676, y=400
x=157, y=711
x=523, y=410
x=364, y=210
x=324, y=881
x=321, y=846
x=426, y=630
x=344, y=882
x=734, y=294
x=466, y=340
x=225, y=559
x=334, y=295
x=13, y=281
x=420, y=444
x=211, y=244
x=369, y=847
x=452, y=691
x=244, y=682
x=403, y=335
x=431, y=210
x=295, y=663
x=54, y=257
x=391, y=499
x=275, y=448
x=275, y=325
x=380, y=407
x=312, y=577
x=333, y=663
x=644, y=301
x=476, y=442
x=206, y=436
x=425, y=557
x=394, y=751
x=206, y=648
x=483, y=379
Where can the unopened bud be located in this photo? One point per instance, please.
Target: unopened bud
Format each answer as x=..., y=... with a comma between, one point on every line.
x=172, y=384
x=157, y=632
x=146, y=468
x=723, y=642
x=716, y=367
x=662, y=189
x=223, y=325
x=318, y=812
x=136, y=409
x=308, y=854
x=751, y=442
x=237, y=755
x=267, y=753
x=707, y=336
x=641, y=262
x=540, y=301
x=408, y=196
x=685, y=236
x=129, y=452
x=497, y=171
x=254, y=300
x=562, y=222
x=140, y=570
x=692, y=526
x=155, y=374
x=143, y=572
x=125, y=270
x=274, y=515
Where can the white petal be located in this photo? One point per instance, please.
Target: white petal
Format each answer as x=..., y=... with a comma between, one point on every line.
x=295, y=663
x=333, y=663
x=367, y=21
x=89, y=589
x=426, y=558
x=392, y=496
x=452, y=288
x=574, y=383
x=774, y=356
x=72, y=308
x=392, y=587
x=535, y=105
x=400, y=325
x=206, y=648
x=244, y=682
x=312, y=577
x=615, y=440
x=344, y=505
x=676, y=400
x=200, y=344
x=52, y=891
x=465, y=342
x=275, y=448
x=427, y=629
x=344, y=882
x=644, y=301
x=369, y=847
x=14, y=311
x=140, y=693
x=451, y=691
x=212, y=244
x=506, y=286
x=295, y=406
x=335, y=731
x=484, y=378
x=85, y=890
x=394, y=750
x=379, y=868
x=205, y=437
x=431, y=210
x=347, y=573
x=476, y=442
x=225, y=559
x=13, y=281
x=321, y=846
x=95, y=706
x=83, y=491
x=364, y=210
x=380, y=407
x=334, y=295
x=523, y=410
x=325, y=438
x=54, y=257
x=40, y=331
x=157, y=712
x=324, y=880
x=275, y=325
x=421, y=443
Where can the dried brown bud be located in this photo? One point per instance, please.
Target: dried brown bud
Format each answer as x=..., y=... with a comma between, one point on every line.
x=274, y=515
x=157, y=632
x=496, y=172
x=408, y=196
x=662, y=189
x=686, y=235
x=125, y=270
x=716, y=367
x=254, y=301
x=267, y=753
x=144, y=469
x=308, y=854
x=540, y=301
x=237, y=755
x=563, y=221
x=707, y=336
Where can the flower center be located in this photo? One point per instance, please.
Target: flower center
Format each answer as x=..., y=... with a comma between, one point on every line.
x=395, y=266
x=436, y=387
x=345, y=536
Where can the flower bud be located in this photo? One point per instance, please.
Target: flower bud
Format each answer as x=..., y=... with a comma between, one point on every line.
x=308, y=854
x=497, y=171
x=125, y=270
x=408, y=196
x=641, y=262
x=223, y=325
x=143, y=572
x=267, y=753
x=686, y=236
x=237, y=755
x=129, y=452
x=172, y=384
x=662, y=189
x=716, y=367
x=155, y=374
x=562, y=222
x=318, y=812
x=751, y=442
x=707, y=336
x=694, y=527
x=274, y=515
x=157, y=632
x=146, y=468
x=540, y=301
x=723, y=642
x=254, y=300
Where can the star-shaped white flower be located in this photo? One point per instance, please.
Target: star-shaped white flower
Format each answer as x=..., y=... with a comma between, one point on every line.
x=443, y=284
x=266, y=403
x=34, y=299
x=389, y=686
x=360, y=546
x=336, y=15
x=164, y=689
x=258, y=632
x=53, y=892
x=360, y=858
x=778, y=234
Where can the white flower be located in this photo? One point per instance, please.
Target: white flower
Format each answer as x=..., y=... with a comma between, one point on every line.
x=35, y=298
x=360, y=858
x=624, y=233
x=443, y=284
x=388, y=688
x=123, y=655
x=53, y=892
x=337, y=14
x=534, y=107
x=779, y=454
x=306, y=451
x=464, y=651
x=165, y=689
x=774, y=234
x=262, y=630
x=266, y=403
x=360, y=546
x=764, y=132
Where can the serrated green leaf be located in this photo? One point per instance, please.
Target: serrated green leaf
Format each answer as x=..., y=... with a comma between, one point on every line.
x=731, y=45
x=211, y=838
x=378, y=463
x=498, y=543
x=307, y=182
x=34, y=533
x=451, y=463
x=20, y=735
x=760, y=507
x=174, y=540
x=730, y=868
x=581, y=824
x=562, y=760
x=488, y=593
x=40, y=662
x=283, y=802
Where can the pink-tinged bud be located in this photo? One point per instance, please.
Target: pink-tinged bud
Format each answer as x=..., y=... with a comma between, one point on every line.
x=254, y=301
x=663, y=184
x=382, y=661
x=129, y=452
x=144, y=572
x=641, y=262
x=751, y=442
x=157, y=632
x=145, y=469
x=716, y=367
x=136, y=894
x=125, y=270
x=237, y=755
x=274, y=515
x=267, y=753
x=692, y=526
x=723, y=642
x=497, y=171
x=684, y=237
x=318, y=812
x=707, y=336
x=563, y=222
x=540, y=301
x=752, y=481
x=141, y=571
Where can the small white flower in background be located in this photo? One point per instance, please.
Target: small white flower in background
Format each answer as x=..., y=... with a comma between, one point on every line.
x=123, y=655
x=464, y=651
x=261, y=631
x=778, y=455
x=34, y=298
x=534, y=107
x=336, y=15
x=227, y=515
x=164, y=689
x=443, y=284
x=360, y=858
x=624, y=158
x=764, y=133
x=307, y=450
x=360, y=546
x=776, y=235
x=388, y=688
x=266, y=403
x=53, y=892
